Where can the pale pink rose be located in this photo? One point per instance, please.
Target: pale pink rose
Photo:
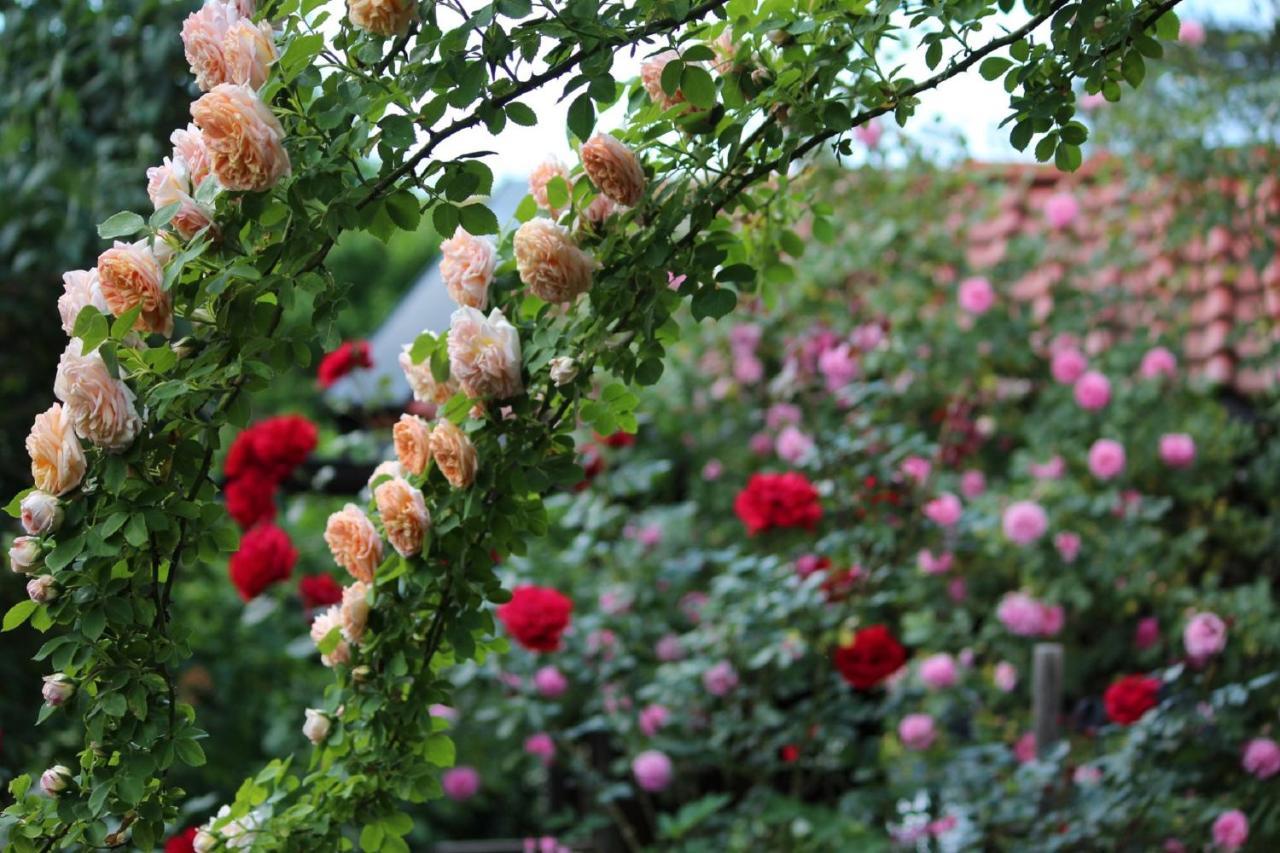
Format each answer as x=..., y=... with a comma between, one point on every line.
x=1177, y=450
x=404, y=515
x=720, y=679
x=613, y=168
x=354, y=611
x=248, y=51
x=325, y=623
x=668, y=648
x=1261, y=757
x=1092, y=391
x=386, y=468
x=724, y=49
x=651, y=77
x=443, y=712
x=244, y=138
x=422, y=382
x=1106, y=458
x=41, y=513
x=550, y=263
x=1052, y=618
x=1005, y=676
x=780, y=414
x=760, y=443
x=56, y=779
x=1068, y=545
x=42, y=589
x=1093, y=101
x=550, y=682
x=1191, y=33
x=917, y=732
x=189, y=149
x=916, y=469
x=57, y=460
x=1061, y=209
x=744, y=338
x=80, y=288
x=541, y=746
x=973, y=484
x=382, y=17
x=484, y=354
x=1024, y=748
x=652, y=770
x=748, y=369
x=935, y=565
x=316, y=725
x=130, y=274
x=563, y=370
x=869, y=133
x=673, y=281
x=1158, y=362
x=1067, y=365
x=838, y=366
x=204, y=35
x=542, y=175
x=1147, y=633
x=793, y=446
x=169, y=184
x=944, y=510
x=466, y=265
x=454, y=453
x=712, y=470
x=976, y=295
x=460, y=783
x=600, y=209
x=653, y=717
x=24, y=554
x=1023, y=615
x=1231, y=830
x=411, y=437
x=1050, y=470
x=57, y=689
x=101, y=407
x=1204, y=636
x=938, y=672
x=354, y=542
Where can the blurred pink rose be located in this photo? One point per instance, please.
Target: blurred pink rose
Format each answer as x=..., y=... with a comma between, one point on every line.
x=1005, y=676
x=917, y=732
x=935, y=565
x=976, y=295
x=1050, y=470
x=651, y=78
x=1024, y=522
x=1068, y=545
x=938, y=671
x=1061, y=209
x=460, y=783
x=541, y=746
x=1092, y=391
x=973, y=483
x=1231, y=830
x=1261, y=757
x=1158, y=362
x=944, y=510
x=1147, y=633
x=653, y=717
x=916, y=469
x=1024, y=748
x=1177, y=450
x=1106, y=458
x=793, y=446
x=1191, y=33
x=382, y=17
x=712, y=470
x=839, y=366
x=652, y=770
x=668, y=648
x=720, y=679
x=869, y=133
x=1204, y=636
x=1067, y=365
x=550, y=682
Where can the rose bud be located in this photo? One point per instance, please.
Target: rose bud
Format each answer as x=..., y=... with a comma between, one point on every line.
x=41, y=513
x=55, y=780
x=58, y=688
x=42, y=590
x=316, y=727
x=24, y=554
x=563, y=370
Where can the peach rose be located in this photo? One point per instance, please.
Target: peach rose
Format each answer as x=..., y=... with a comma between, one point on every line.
x=243, y=137
x=454, y=453
x=484, y=354
x=613, y=168
x=651, y=77
x=248, y=51
x=324, y=624
x=466, y=265
x=101, y=408
x=724, y=50
x=386, y=468
x=412, y=438
x=354, y=541
x=189, y=148
x=382, y=17
x=204, y=33
x=131, y=274
x=355, y=612
x=79, y=288
x=550, y=263
x=404, y=515
x=425, y=387
x=600, y=209
x=169, y=184
x=541, y=176
x=57, y=460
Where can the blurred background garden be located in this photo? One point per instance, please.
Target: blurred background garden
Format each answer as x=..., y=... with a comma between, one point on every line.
x=976, y=404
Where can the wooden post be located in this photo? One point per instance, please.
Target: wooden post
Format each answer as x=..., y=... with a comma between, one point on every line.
x=1046, y=695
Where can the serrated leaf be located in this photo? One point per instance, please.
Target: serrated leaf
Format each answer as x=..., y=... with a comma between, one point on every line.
x=478, y=219
x=993, y=66
x=582, y=116
x=698, y=86
x=123, y=224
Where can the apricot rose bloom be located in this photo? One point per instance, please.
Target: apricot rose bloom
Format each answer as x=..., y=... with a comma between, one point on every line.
x=130, y=274
x=57, y=460
x=190, y=150
x=354, y=541
x=412, y=438
x=454, y=453
x=325, y=623
x=354, y=612
x=382, y=17
x=243, y=137
x=404, y=515
x=170, y=183
x=613, y=168
x=248, y=50
x=466, y=265
x=101, y=408
x=550, y=263
x=79, y=288
x=484, y=354
x=223, y=46
x=651, y=77
x=424, y=385
x=541, y=176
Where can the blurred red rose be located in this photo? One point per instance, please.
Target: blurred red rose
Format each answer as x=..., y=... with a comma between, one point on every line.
x=778, y=500
x=266, y=556
x=251, y=498
x=873, y=655
x=536, y=616
x=346, y=358
x=1128, y=699
x=319, y=591
x=183, y=842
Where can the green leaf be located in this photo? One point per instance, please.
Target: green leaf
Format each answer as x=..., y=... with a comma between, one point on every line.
x=14, y=507
x=123, y=224
x=526, y=209
x=65, y=551
x=371, y=836
x=557, y=193
x=521, y=114
x=123, y=324
x=18, y=614
x=444, y=218
x=189, y=752
x=330, y=641
x=671, y=74
x=91, y=328
x=698, y=86
x=713, y=303
x=404, y=210
x=93, y=622
x=582, y=116
x=1134, y=68
x=440, y=751
x=398, y=131
x=478, y=219
x=993, y=66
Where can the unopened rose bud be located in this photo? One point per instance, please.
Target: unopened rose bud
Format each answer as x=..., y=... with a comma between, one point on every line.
x=317, y=725
x=58, y=688
x=41, y=513
x=563, y=370
x=24, y=554
x=204, y=841
x=42, y=590
x=55, y=780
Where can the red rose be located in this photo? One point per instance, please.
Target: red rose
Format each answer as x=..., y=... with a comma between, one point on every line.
x=592, y=466
x=789, y=754
x=346, y=358
x=536, y=616
x=778, y=500
x=1131, y=697
x=251, y=498
x=282, y=443
x=872, y=656
x=617, y=439
x=266, y=556
x=183, y=842
x=319, y=591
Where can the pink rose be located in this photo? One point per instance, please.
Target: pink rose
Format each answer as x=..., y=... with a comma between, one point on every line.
x=938, y=672
x=1158, y=362
x=1024, y=522
x=917, y=732
x=484, y=354
x=720, y=678
x=41, y=513
x=916, y=469
x=411, y=438
x=541, y=746
x=1067, y=365
x=55, y=780
x=354, y=542
x=793, y=446
x=1068, y=545
x=1024, y=748
x=613, y=168
x=668, y=648
x=1147, y=633
x=1023, y=615
x=101, y=407
x=454, y=454
x=1177, y=449
x=129, y=275
x=244, y=138
x=712, y=470
x=323, y=626
x=976, y=295
x=943, y=510
x=1005, y=676
x=838, y=366
x=935, y=565
x=542, y=175
x=1231, y=830
x=316, y=725
x=652, y=718
x=869, y=133
x=189, y=150
x=1060, y=210
x=1092, y=391
x=1204, y=636
x=1191, y=33
x=80, y=288
x=1093, y=101
x=1051, y=470
x=382, y=17
x=651, y=78
x=57, y=460
x=760, y=443
x=42, y=589
x=404, y=515
x=460, y=783
x=466, y=265
x=551, y=265
x=57, y=689
x=1261, y=757
x=550, y=682
x=1106, y=458
x=652, y=770
x=973, y=484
